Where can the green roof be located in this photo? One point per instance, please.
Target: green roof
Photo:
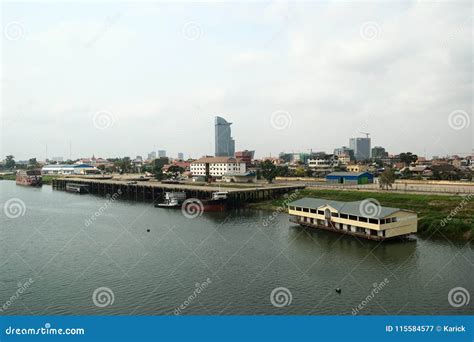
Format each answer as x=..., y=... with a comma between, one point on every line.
x=366, y=208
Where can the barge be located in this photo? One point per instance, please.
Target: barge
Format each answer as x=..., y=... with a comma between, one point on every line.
x=29, y=177
x=366, y=219
x=77, y=188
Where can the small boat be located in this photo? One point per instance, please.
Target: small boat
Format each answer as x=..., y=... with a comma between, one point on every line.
x=172, y=200
x=29, y=177
x=77, y=188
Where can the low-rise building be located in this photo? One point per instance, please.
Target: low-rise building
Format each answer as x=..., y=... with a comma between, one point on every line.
x=323, y=164
x=217, y=166
x=357, y=168
x=246, y=156
x=66, y=169
x=344, y=159
x=350, y=178
x=366, y=218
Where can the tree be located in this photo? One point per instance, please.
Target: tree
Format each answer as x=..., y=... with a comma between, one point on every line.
x=123, y=164
x=408, y=158
x=386, y=179
x=175, y=169
x=158, y=171
x=32, y=163
x=10, y=162
x=282, y=171
x=300, y=172
x=407, y=173
x=269, y=171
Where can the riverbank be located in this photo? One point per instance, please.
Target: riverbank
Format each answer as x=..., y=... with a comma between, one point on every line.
x=449, y=216
x=46, y=179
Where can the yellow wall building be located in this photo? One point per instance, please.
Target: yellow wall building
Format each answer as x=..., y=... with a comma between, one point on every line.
x=366, y=218
x=357, y=168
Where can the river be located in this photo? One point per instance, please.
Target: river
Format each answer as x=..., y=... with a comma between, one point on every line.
x=68, y=254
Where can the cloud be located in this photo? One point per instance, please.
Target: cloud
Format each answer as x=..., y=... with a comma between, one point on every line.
x=311, y=60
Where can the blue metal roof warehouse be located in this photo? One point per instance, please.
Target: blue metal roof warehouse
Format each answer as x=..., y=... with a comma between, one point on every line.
x=350, y=178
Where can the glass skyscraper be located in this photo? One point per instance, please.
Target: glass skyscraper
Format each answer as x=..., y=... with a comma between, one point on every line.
x=361, y=147
x=225, y=145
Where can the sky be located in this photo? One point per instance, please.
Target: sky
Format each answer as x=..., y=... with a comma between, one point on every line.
x=124, y=79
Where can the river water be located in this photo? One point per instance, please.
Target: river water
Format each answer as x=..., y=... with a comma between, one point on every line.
x=63, y=253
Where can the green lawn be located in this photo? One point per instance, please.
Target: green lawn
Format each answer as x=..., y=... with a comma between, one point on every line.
x=431, y=209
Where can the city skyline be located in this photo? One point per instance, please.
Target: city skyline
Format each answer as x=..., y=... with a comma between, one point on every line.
x=294, y=77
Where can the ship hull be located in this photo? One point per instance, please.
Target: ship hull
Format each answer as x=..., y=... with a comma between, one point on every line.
x=28, y=181
x=214, y=205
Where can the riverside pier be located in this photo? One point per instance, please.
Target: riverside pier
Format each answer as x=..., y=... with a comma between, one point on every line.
x=151, y=191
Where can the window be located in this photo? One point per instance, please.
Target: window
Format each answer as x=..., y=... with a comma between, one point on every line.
x=298, y=209
x=352, y=217
x=306, y=210
x=313, y=211
x=363, y=219
x=343, y=216
x=320, y=212
x=334, y=214
x=374, y=221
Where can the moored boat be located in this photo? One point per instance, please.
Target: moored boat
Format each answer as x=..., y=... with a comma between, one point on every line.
x=172, y=200
x=29, y=177
x=217, y=202
x=77, y=188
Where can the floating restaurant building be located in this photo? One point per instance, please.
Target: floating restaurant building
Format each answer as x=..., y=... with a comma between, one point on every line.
x=360, y=218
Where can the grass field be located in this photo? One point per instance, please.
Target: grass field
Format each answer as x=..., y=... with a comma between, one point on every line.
x=432, y=210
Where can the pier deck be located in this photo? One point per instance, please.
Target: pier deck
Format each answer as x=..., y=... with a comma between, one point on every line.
x=151, y=191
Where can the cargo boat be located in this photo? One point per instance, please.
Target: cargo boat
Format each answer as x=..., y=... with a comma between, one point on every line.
x=29, y=177
x=172, y=200
x=217, y=202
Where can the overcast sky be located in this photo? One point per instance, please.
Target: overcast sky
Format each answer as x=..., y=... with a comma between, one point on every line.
x=125, y=79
